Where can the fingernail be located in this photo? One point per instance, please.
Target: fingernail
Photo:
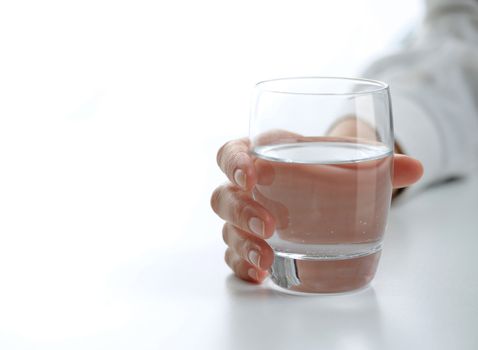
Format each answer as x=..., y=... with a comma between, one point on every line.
x=253, y=274
x=254, y=257
x=240, y=178
x=257, y=226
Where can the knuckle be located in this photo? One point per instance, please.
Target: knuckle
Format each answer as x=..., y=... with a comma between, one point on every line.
x=220, y=153
x=216, y=198
x=238, y=158
x=227, y=257
x=229, y=165
x=231, y=154
x=225, y=233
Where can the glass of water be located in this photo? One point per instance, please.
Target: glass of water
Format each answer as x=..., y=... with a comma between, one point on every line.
x=323, y=152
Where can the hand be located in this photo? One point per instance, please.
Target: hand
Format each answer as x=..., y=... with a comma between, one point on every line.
x=248, y=224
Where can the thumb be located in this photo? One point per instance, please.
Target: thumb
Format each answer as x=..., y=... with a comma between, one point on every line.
x=406, y=170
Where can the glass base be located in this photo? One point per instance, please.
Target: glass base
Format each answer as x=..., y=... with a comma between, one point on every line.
x=323, y=276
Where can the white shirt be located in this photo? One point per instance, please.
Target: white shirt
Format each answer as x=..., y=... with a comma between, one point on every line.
x=434, y=88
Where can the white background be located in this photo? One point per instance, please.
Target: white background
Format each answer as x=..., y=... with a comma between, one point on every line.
x=111, y=113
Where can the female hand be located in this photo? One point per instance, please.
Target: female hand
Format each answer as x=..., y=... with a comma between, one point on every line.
x=248, y=224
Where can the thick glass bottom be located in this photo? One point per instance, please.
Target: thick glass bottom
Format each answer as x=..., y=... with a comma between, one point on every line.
x=323, y=276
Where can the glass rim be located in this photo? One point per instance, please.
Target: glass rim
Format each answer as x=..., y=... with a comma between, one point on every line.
x=376, y=86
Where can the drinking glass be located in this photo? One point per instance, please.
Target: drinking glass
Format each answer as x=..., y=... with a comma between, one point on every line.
x=323, y=153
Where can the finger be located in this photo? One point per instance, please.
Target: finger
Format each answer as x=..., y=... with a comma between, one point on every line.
x=406, y=171
x=234, y=160
x=238, y=208
x=243, y=269
x=351, y=126
x=277, y=136
x=250, y=248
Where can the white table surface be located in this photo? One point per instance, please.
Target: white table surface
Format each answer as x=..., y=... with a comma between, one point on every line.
x=110, y=116
x=182, y=296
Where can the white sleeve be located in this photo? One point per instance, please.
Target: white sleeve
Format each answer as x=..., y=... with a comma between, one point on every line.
x=434, y=89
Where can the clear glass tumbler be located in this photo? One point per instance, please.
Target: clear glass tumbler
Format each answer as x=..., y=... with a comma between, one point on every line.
x=323, y=152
